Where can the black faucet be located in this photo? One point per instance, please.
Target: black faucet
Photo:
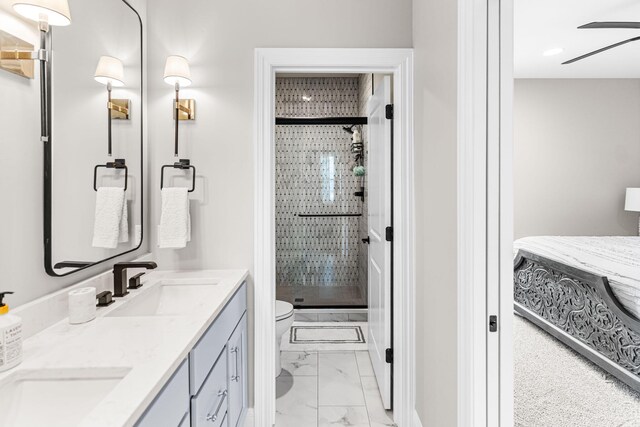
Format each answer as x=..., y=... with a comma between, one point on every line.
x=120, y=275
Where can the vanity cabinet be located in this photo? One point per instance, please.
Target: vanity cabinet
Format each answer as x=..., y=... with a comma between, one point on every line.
x=211, y=404
x=171, y=405
x=210, y=387
x=237, y=369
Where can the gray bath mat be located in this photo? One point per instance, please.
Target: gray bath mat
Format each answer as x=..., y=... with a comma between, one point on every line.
x=326, y=335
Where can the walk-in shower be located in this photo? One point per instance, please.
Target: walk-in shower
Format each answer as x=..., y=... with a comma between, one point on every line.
x=321, y=215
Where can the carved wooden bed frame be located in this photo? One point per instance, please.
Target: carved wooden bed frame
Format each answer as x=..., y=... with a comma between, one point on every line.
x=579, y=309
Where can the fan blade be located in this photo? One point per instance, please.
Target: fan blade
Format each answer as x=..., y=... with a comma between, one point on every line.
x=635, y=25
x=595, y=52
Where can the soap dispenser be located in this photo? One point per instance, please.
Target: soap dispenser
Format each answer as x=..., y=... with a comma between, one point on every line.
x=10, y=336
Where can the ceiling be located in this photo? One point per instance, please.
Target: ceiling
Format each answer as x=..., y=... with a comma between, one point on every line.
x=541, y=25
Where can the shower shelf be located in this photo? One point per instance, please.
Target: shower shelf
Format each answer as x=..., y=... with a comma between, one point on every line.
x=321, y=120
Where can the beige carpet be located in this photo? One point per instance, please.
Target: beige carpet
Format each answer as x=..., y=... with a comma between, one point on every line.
x=554, y=386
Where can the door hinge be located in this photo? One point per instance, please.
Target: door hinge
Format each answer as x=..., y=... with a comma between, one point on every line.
x=389, y=234
x=388, y=355
x=389, y=111
x=493, y=323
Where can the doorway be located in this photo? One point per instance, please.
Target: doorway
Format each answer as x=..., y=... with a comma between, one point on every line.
x=398, y=64
x=486, y=290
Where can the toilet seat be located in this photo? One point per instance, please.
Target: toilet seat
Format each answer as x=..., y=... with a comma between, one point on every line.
x=284, y=310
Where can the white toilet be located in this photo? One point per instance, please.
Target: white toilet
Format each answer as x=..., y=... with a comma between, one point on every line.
x=284, y=320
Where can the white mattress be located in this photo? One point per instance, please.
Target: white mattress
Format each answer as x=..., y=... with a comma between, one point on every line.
x=615, y=257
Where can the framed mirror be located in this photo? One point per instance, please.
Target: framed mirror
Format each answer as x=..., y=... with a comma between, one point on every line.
x=94, y=162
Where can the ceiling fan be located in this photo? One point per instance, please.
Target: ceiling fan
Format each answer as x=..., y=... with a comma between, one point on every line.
x=606, y=25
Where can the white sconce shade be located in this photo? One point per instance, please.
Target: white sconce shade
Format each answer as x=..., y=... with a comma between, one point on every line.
x=632, y=200
x=176, y=70
x=110, y=70
x=53, y=12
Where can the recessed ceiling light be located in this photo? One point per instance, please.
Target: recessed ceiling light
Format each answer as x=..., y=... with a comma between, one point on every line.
x=307, y=98
x=552, y=52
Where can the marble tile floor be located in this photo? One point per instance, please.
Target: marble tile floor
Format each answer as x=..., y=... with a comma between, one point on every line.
x=328, y=388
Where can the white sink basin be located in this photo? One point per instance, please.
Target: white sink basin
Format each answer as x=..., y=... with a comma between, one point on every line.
x=168, y=298
x=54, y=397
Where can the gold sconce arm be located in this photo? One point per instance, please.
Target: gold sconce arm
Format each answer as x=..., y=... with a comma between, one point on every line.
x=22, y=55
x=15, y=55
x=186, y=109
x=119, y=109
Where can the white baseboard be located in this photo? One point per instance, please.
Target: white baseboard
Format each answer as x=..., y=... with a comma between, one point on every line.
x=416, y=419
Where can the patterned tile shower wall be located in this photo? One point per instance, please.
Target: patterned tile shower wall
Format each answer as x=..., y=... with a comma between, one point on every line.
x=314, y=176
x=317, y=97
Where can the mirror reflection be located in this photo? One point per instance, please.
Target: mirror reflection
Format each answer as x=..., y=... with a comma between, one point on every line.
x=96, y=136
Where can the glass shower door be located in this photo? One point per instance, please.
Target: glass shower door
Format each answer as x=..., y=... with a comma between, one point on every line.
x=317, y=219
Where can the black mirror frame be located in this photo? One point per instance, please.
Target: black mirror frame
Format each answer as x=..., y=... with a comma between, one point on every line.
x=48, y=149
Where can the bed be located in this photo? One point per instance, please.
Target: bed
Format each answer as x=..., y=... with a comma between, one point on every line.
x=585, y=291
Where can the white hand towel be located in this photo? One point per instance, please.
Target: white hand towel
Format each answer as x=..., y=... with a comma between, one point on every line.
x=123, y=234
x=174, y=230
x=110, y=204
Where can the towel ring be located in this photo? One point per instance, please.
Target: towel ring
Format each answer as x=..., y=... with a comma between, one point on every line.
x=182, y=164
x=117, y=164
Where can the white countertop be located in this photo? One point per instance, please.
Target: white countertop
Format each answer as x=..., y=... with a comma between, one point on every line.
x=152, y=348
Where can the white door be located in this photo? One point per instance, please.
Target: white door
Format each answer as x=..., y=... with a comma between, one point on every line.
x=379, y=177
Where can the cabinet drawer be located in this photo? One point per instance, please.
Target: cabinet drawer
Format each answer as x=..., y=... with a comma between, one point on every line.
x=210, y=346
x=171, y=405
x=209, y=406
x=237, y=360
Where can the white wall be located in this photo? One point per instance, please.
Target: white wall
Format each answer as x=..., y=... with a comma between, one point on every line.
x=576, y=149
x=435, y=43
x=21, y=245
x=219, y=39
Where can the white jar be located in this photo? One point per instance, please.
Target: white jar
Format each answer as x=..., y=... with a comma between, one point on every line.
x=10, y=337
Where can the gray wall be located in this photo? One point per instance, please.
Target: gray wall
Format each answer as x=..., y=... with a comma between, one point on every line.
x=21, y=245
x=219, y=39
x=435, y=25
x=576, y=149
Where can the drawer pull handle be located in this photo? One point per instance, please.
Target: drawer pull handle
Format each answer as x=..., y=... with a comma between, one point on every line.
x=214, y=417
x=236, y=377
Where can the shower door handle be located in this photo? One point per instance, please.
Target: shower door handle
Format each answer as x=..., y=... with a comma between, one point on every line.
x=367, y=240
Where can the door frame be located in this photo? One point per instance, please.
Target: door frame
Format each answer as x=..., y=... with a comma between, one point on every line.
x=399, y=63
x=485, y=212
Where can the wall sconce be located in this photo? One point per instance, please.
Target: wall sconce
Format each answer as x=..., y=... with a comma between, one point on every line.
x=11, y=48
x=110, y=72
x=45, y=12
x=177, y=74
